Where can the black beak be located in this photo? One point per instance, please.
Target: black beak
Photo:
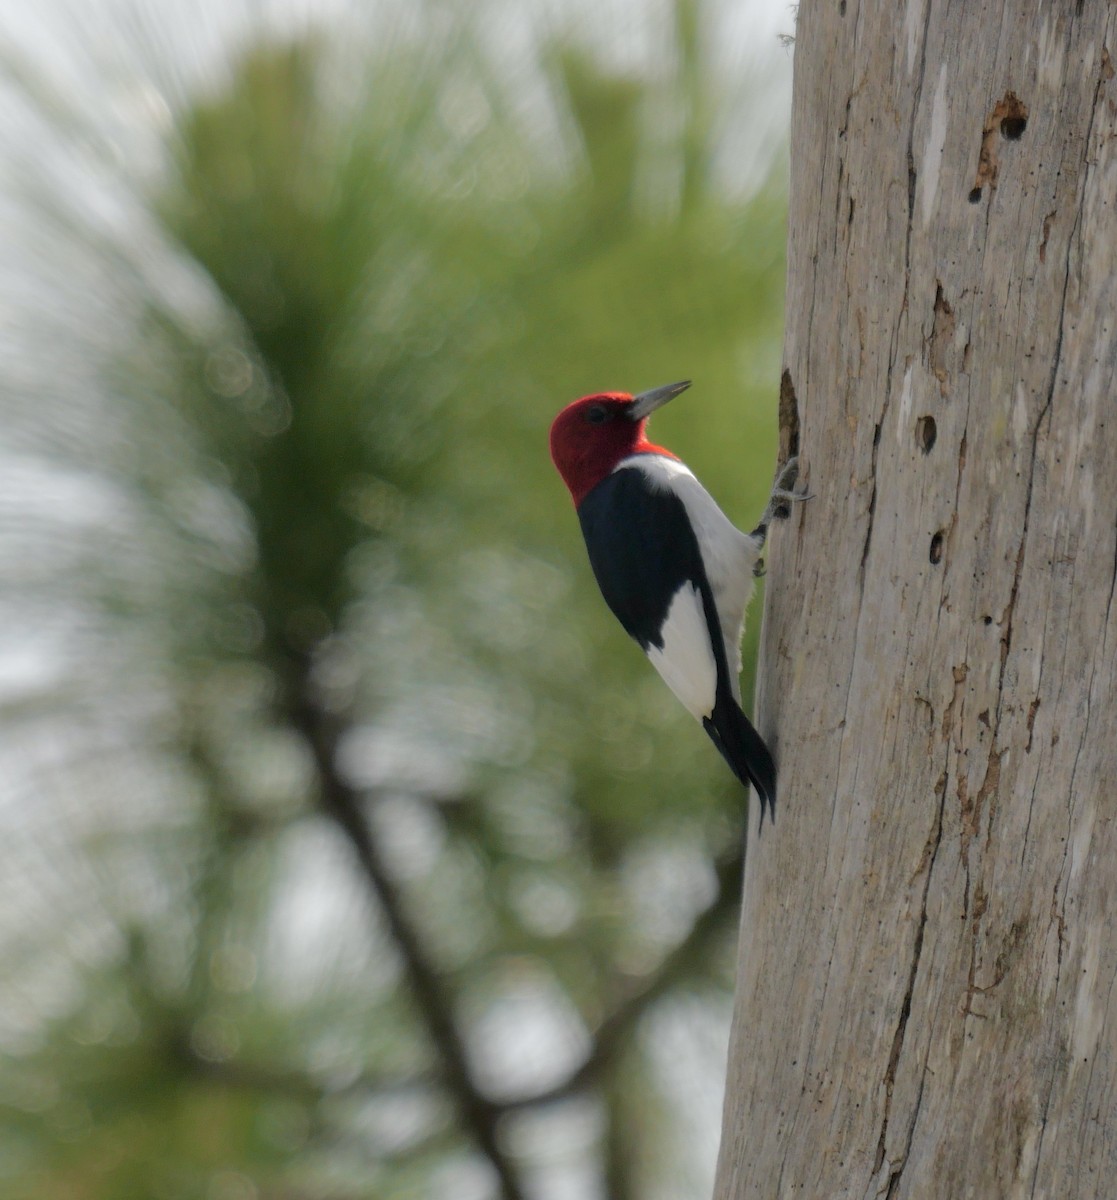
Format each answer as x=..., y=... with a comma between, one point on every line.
x=647, y=402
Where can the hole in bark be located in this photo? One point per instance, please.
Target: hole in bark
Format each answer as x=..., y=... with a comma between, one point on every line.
x=789, y=418
x=842, y=9
x=926, y=431
x=1013, y=126
x=1010, y=116
x=987, y=620
x=936, y=548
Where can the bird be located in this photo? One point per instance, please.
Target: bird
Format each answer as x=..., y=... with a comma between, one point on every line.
x=672, y=567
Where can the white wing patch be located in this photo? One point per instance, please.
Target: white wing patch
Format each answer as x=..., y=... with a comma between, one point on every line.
x=686, y=661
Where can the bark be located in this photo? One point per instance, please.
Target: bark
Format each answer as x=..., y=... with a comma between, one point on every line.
x=926, y=1001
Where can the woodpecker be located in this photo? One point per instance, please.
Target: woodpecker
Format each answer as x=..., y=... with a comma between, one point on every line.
x=671, y=566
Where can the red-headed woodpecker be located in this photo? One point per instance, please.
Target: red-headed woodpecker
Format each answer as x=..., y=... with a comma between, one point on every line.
x=674, y=569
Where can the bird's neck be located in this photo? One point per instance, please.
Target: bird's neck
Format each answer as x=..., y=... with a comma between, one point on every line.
x=584, y=482
x=643, y=446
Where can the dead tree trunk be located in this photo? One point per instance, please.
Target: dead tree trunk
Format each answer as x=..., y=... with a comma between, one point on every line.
x=927, y=1000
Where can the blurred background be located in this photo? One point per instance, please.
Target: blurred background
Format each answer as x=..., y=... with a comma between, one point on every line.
x=348, y=849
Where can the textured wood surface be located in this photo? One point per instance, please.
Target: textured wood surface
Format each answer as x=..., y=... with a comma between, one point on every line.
x=927, y=997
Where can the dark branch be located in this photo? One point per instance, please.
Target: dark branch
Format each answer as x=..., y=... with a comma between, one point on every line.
x=479, y=1114
x=613, y=1034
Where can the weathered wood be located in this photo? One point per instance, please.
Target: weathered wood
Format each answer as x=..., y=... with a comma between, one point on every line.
x=927, y=997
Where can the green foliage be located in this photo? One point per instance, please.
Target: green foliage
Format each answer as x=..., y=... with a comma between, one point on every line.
x=385, y=596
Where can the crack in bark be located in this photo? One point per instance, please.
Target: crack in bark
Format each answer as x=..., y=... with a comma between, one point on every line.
x=1039, y=1146
x=916, y=98
x=1058, y=918
x=897, y=1170
x=1007, y=616
x=1033, y=708
x=1028, y=823
x=905, y=1013
x=872, y=505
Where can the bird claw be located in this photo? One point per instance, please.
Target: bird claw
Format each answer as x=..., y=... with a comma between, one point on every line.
x=788, y=475
x=759, y=569
x=783, y=493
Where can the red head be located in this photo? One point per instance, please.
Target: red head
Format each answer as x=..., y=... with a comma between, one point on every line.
x=590, y=436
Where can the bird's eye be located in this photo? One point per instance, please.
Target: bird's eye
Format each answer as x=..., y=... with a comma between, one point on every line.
x=597, y=414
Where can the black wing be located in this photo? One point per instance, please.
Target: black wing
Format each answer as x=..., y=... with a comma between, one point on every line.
x=643, y=549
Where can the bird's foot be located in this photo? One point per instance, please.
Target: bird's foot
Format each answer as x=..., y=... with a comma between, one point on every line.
x=783, y=494
x=759, y=569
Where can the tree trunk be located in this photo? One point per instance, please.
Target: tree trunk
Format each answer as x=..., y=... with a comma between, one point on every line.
x=927, y=997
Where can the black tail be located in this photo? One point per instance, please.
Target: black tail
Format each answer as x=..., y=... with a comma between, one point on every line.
x=744, y=750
